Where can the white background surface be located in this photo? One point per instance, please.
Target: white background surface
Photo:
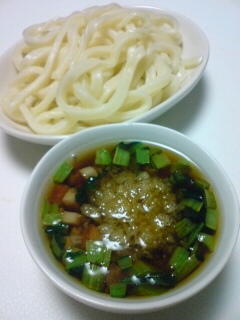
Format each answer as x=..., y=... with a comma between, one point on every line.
x=210, y=115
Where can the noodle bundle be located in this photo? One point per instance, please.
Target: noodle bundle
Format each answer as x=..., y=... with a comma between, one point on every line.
x=103, y=65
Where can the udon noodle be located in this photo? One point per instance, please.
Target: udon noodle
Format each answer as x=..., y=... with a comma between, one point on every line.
x=102, y=65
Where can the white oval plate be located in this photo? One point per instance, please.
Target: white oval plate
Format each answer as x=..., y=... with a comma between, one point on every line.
x=195, y=44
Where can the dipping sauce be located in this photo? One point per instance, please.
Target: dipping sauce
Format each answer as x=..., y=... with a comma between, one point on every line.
x=132, y=219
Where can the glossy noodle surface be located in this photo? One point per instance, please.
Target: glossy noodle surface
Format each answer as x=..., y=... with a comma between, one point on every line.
x=105, y=64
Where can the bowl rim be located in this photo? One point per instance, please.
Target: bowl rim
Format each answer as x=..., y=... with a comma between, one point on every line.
x=99, y=301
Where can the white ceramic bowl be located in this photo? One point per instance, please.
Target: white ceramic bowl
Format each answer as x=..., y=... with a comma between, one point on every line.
x=195, y=44
x=31, y=226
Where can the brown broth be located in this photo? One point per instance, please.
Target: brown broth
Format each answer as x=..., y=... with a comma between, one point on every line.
x=159, y=254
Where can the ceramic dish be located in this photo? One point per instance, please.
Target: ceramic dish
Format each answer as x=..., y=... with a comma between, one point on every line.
x=103, y=135
x=195, y=44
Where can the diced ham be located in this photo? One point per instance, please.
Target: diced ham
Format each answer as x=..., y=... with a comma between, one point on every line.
x=58, y=193
x=75, y=179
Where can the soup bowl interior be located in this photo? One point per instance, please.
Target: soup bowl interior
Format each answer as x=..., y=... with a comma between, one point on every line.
x=103, y=135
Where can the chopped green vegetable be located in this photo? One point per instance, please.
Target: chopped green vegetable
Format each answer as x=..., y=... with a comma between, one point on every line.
x=207, y=239
x=178, y=258
x=194, y=216
x=57, y=245
x=142, y=155
x=193, y=204
x=193, y=235
x=60, y=228
x=166, y=280
x=190, y=264
x=125, y=262
x=49, y=208
x=184, y=227
x=46, y=207
x=98, y=253
x=210, y=199
x=94, y=276
x=195, y=246
x=131, y=146
x=202, y=183
x=103, y=157
x=52, y=219
x=63, y=172
x=54, y=208
x=140, y=268
x=181, y=179
x=121, y=157
x=74, y=260
x=182, y=165
x=211, y=219
x=90, y=185
x=118, y=290
x=160, y=161
x=154, y=150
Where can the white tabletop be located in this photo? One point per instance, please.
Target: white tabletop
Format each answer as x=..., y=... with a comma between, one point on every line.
x=210, y=115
